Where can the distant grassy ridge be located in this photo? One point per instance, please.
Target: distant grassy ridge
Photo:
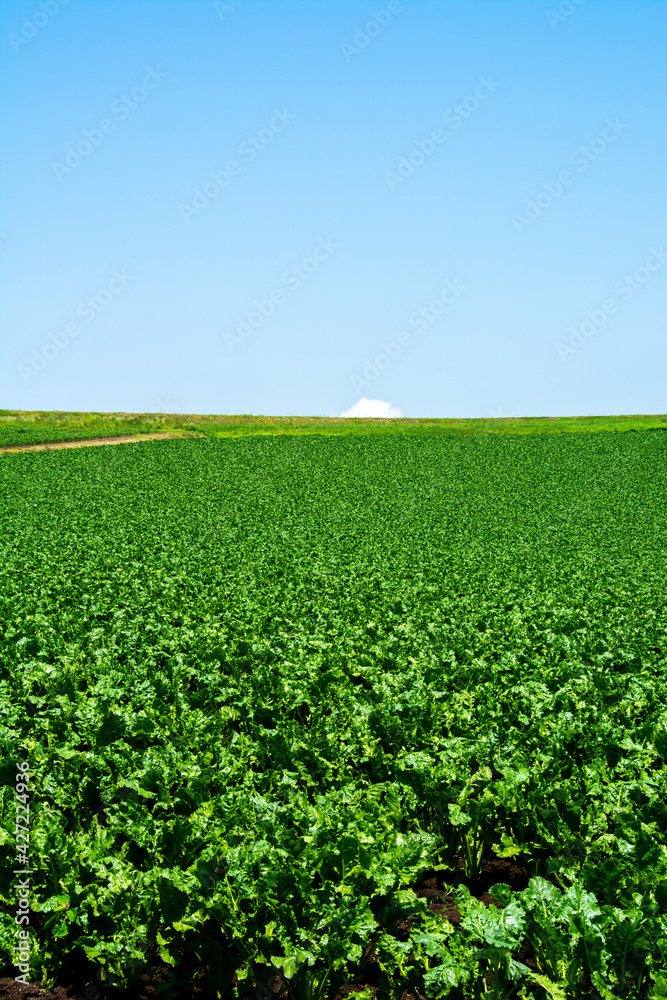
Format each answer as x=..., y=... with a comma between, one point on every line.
x=32, y=427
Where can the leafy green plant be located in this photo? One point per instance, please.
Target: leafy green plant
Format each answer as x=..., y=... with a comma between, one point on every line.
x=269, y=685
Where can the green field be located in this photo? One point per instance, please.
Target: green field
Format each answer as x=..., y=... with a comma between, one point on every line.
x=20, y=427
x=386, y=711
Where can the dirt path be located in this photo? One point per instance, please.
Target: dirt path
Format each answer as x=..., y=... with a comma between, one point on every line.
x=90, y=442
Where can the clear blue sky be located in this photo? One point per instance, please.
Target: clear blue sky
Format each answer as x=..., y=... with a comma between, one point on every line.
x=312, y=114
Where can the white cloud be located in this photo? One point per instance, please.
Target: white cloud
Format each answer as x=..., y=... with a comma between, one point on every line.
x=372, y=408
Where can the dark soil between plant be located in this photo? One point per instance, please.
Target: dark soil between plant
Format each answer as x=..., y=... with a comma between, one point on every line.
x=75, y=976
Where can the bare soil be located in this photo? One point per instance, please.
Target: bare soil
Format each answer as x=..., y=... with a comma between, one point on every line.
x=90, y=442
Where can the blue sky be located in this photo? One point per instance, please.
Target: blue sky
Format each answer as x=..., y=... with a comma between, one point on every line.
x=286, y=206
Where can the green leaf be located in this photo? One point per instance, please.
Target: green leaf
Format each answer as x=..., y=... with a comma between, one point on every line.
x=552, y=988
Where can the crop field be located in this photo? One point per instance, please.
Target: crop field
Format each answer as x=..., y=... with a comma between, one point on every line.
x=19, y=428
x=322, y=716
